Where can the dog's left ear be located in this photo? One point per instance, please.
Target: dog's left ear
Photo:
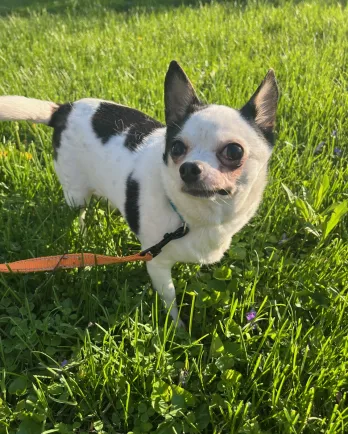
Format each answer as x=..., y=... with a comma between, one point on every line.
x=179, y=96
x=262, y=106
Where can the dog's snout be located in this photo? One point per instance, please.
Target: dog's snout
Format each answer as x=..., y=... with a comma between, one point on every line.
x=190, y=172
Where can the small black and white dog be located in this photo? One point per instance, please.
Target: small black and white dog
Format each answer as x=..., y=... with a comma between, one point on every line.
x=207, y=166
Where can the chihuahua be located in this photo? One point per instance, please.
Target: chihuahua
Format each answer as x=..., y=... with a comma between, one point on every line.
x=205, y=168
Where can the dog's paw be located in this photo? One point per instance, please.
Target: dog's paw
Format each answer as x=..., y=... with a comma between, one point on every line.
x=179, y=323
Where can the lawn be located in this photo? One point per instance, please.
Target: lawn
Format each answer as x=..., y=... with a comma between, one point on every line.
x=93, y=351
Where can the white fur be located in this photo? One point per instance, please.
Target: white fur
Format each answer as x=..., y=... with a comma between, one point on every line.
x=85, y=167
x=20, y=108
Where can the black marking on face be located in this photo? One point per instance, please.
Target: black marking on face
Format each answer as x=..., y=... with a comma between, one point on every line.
x=174, y=129
x=112, y=119
x=59, y=122
x=132, y=204
x=180, y=101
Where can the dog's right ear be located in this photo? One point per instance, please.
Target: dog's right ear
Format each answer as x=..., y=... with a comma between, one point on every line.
x=179, y=96
x=262, y=106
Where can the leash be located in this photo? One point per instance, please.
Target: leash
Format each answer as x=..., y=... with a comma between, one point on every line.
x=79, y=260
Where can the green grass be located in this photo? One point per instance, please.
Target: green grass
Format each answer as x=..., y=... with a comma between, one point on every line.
x=126, y=369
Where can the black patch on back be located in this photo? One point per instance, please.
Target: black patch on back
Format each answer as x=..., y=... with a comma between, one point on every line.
x=112, y=119
x=249, y=113
x=174, y=129
x=59, y=121
x=132, y=203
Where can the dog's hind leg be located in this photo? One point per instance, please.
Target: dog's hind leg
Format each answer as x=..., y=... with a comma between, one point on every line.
x=82, y=222
x=79, y=199
x=76, y=189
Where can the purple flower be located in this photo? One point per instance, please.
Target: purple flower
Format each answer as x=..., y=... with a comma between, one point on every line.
x=334, y=133
x=64, y=363
x=251, y=315
x=283, y=239
x=338, y=152
x=319, y=148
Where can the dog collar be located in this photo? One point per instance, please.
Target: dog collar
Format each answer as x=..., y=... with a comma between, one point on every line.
x=176, y=210
x=157, y=248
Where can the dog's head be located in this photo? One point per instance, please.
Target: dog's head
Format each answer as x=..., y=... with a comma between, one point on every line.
x=214, y=151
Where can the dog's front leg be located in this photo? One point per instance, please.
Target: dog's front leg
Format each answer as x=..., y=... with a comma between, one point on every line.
x=161, y=276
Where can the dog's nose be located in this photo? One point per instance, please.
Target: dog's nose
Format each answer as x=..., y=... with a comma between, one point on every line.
x=190, y=172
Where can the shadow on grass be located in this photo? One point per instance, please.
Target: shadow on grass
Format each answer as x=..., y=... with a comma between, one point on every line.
x=84, y=7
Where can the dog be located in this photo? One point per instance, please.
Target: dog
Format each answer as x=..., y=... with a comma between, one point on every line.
x=205, y=168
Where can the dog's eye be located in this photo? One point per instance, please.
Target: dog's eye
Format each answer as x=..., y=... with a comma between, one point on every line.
x=233, y=151
x=178, y=149
x=231, y=155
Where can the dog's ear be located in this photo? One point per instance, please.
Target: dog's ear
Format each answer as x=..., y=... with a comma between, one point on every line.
x=179, y=95
x=262, y=106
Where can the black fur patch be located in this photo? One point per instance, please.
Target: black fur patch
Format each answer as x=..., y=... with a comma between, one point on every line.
x=174, y=129
x=58, y=121
x=248, y=112
x=132, y=203
x=265, y=126
x=112, y=119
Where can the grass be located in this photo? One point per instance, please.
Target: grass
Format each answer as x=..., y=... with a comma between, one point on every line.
x=92, y=350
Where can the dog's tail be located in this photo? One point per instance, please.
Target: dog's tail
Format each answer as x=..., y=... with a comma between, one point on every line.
x=20, y=108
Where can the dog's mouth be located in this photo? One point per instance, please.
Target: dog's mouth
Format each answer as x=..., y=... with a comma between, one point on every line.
x=203, y=192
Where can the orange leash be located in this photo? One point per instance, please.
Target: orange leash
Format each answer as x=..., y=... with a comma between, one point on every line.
x=71, y=260
x=79, y=260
